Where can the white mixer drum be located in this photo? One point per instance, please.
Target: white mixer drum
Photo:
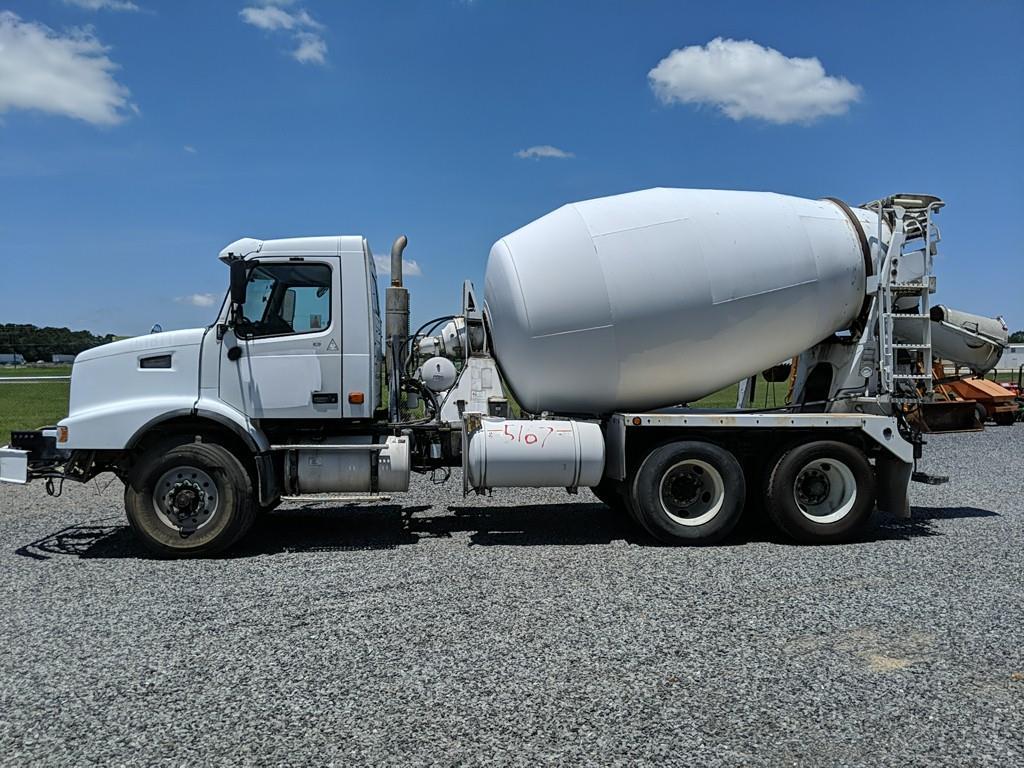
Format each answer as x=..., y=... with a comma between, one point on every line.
x=659, y=297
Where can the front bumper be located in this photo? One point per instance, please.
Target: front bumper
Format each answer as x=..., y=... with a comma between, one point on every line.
x=13, y=465
x=28, y=453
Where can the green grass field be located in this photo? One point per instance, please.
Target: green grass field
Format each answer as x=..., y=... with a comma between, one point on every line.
x=767, y=395
x=22, y=371
x=31, y=405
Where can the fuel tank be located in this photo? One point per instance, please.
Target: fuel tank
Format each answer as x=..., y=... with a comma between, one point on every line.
x=535, y=453
x=663, y=296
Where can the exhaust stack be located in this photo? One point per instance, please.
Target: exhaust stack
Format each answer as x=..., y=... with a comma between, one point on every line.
x=397, y=248
x=396, y=328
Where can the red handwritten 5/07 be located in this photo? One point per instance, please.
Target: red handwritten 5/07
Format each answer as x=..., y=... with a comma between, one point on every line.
x=518, y=433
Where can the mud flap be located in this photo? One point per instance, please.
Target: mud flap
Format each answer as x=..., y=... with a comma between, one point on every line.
x=268, y=481
x=892, y=481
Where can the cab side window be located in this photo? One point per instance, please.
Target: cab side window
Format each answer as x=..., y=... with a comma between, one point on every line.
x=284, y=299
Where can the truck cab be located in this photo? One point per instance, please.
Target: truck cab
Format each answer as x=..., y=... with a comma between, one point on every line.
x=307, y=342
x=304, y=347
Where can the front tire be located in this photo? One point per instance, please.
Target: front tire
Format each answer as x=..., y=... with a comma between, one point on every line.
x=189, y=499
x=821, y=492
x=689, y=493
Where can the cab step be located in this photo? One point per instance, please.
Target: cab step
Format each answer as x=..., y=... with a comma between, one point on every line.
x=924, y=477
x=336, y=498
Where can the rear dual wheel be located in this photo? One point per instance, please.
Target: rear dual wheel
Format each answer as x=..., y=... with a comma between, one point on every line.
x=615, y=494
x=689, y=492
x=693, y=492
x=821, y=492
x=609, y=493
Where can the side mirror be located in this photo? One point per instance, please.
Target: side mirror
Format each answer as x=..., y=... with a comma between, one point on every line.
x=288, y=307
x=239, y=281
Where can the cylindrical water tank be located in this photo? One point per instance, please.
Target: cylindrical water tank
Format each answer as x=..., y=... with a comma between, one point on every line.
x=538, y=453
x=658, y=297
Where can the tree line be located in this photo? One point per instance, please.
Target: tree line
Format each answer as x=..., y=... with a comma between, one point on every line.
x=34, y=343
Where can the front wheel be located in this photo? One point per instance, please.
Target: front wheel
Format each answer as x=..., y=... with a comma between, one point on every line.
x=821, y=492
x=689, y=492
x=189, y=499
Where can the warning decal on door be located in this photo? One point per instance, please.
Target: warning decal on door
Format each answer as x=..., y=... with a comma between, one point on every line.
x=332, y=347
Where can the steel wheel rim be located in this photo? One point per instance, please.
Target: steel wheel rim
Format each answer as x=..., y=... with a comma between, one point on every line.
x=185, y=499
x=825, y=490
x=691, y=492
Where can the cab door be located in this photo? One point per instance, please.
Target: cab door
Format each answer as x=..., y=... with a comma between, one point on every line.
x=288, y=359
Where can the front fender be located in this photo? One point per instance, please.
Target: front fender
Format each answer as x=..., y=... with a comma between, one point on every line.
x=224, y=414
x=120, y=426
x=113, y=425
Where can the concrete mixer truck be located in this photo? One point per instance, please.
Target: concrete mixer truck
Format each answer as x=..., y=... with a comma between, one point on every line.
x=600, y=324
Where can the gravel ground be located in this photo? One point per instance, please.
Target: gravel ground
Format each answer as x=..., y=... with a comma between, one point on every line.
x=526, y=628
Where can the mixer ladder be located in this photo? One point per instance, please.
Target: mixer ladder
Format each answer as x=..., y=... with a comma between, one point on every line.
x=905, y=282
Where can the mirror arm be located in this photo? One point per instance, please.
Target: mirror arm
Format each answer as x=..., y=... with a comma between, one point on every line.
x=235, y=317
x=239, y=283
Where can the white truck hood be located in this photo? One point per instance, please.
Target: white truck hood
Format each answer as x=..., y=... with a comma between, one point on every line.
x=111, y=391
x=154, y=341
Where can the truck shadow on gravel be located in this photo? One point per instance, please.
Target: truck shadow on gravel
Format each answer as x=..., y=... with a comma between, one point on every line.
x=347, y=528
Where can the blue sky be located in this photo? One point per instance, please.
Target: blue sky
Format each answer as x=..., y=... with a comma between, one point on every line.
x=138, y=137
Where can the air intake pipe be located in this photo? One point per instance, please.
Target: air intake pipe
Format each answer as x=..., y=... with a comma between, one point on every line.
x=396, y=329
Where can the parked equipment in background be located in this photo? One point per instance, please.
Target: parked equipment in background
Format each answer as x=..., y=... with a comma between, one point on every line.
x=1018, y=390
x=968, y=340
x=601, y=319
x=992, y=401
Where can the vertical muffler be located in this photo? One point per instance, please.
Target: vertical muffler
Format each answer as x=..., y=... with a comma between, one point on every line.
x=396, y=328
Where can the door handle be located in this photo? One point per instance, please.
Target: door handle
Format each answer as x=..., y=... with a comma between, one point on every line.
x=325, y=398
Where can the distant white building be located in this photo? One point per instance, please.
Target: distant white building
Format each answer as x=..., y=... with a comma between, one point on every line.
x=11, y=358
x=1012, y=359
x=62, y=358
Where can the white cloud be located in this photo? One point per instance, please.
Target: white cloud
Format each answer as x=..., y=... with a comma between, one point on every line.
x=268, y=17
x=744, y=79
x=410, y=267
x=67, y=74
x=542, y=150
x=199, y=299
x=311, y=49
x=272, y=16
x=190, y=149
x=104, y=5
